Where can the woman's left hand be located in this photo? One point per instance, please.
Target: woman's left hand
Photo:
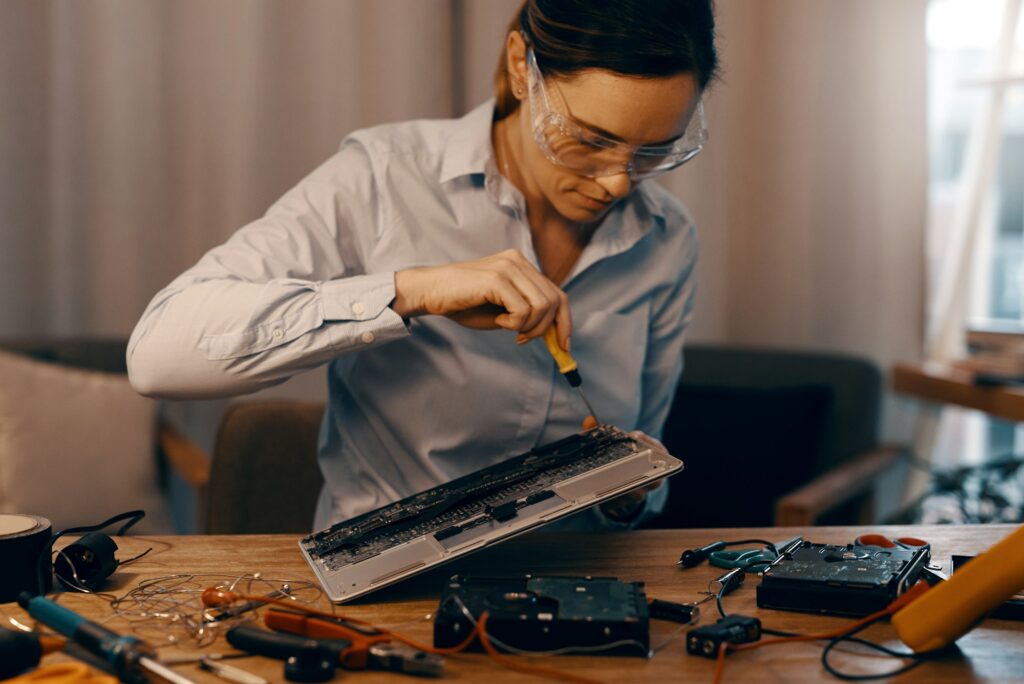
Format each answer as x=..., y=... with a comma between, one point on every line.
x=625, y=507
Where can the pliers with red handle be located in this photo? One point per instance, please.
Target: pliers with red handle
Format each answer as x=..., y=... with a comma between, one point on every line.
x=369, y=648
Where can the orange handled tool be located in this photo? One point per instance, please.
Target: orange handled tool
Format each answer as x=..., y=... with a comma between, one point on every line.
x=369, y=647
x=569, y=370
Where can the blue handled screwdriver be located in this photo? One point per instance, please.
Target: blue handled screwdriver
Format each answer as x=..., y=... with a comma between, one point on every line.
x=125, y=655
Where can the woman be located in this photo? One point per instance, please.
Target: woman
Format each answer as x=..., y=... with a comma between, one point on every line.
x=389, y=260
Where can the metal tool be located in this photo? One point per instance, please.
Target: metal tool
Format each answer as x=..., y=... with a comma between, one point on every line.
x=722, y=585
x=369, y=647
x=127, y=657
x=240, y=608
x=566, y=365
x=229, y=672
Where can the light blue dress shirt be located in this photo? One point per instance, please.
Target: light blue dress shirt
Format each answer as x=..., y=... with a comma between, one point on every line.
x=415, y=404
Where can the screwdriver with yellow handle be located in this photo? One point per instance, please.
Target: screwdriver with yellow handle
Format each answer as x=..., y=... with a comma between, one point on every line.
x=570, y=371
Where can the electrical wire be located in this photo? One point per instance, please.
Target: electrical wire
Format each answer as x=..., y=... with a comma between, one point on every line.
x=214, y=597
x=168, y=610
x=44, y=565
x=485, y=640
x=768, y=544
x=916, y=658
x=837, y=636
x=566, y=650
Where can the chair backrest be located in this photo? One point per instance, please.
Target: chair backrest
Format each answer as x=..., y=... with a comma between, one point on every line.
x=752, y=424
x=107, y=355
x=264, y=477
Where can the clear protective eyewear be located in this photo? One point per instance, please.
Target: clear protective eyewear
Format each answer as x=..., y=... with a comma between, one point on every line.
x=568, y=143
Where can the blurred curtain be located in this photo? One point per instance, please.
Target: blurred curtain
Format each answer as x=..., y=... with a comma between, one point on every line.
x=811, y=195
x=136, y=134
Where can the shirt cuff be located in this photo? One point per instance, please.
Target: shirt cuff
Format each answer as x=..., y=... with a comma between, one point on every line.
x=361, y=304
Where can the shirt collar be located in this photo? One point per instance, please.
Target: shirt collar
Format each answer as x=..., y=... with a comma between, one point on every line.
x=469, y=148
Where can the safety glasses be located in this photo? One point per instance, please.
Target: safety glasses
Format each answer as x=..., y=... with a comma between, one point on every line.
x=568, y=143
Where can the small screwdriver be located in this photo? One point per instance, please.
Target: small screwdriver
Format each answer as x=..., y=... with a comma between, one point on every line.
x=569, y=370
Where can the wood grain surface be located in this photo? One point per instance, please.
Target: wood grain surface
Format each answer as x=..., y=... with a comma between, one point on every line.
x=994, y=651
x=944, y=385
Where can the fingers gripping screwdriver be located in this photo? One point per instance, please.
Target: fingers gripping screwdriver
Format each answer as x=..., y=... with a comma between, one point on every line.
x=567, y=366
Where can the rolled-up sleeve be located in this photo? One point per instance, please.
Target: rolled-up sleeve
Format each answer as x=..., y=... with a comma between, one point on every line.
x=284, y=294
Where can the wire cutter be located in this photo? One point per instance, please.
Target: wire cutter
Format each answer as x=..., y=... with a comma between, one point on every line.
x=368, y=647
x=909, y=543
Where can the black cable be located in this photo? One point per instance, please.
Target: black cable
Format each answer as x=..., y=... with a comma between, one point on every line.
x=771, y=546
x=43, y=564
x=832, y=643
x=917, y=658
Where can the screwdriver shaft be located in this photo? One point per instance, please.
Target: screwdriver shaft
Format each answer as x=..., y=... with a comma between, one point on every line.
x=589, y=407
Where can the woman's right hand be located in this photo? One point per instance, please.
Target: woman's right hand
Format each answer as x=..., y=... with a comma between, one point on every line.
x=503, y=290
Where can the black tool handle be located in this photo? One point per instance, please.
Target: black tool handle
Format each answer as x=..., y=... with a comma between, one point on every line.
x=282, y=646
x=729, y=581
x=694, y=557
x=18, y=652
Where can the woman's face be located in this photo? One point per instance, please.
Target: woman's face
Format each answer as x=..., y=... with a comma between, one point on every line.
x=637, y=111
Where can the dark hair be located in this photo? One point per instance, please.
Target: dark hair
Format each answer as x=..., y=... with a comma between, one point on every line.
x=645, y=38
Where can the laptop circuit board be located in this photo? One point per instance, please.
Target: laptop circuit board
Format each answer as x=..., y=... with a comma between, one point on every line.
x=495, y=493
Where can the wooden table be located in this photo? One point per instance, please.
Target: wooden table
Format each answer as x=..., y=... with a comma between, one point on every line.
x=945, y=385
x=994, y=650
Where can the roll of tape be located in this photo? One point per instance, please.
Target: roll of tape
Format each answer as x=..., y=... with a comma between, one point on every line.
x=22, y=539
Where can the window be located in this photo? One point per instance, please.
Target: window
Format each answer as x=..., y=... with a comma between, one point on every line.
x=976, y=153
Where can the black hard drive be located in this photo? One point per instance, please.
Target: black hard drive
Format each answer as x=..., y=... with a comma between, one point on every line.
x=840, y=580
x=547, y=613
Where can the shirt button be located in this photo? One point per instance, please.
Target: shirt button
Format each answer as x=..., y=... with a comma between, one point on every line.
x=277, y=334
x=358, y=308
x=368, y=337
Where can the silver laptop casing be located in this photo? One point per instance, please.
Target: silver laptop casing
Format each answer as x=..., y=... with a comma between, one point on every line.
x=646, y=465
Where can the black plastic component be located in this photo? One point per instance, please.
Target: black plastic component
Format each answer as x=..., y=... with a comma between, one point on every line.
x=694, y=557
x=723, y=584
x=1012, y=609
x=87, y=562
x=309, y=667
x=840, y=580
x=306, y=660
x=447, y=532
x=538, y=497
x=683, y=613
x=505, y=511
x=735, y=629
x=18, y=652
x=544, y=613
